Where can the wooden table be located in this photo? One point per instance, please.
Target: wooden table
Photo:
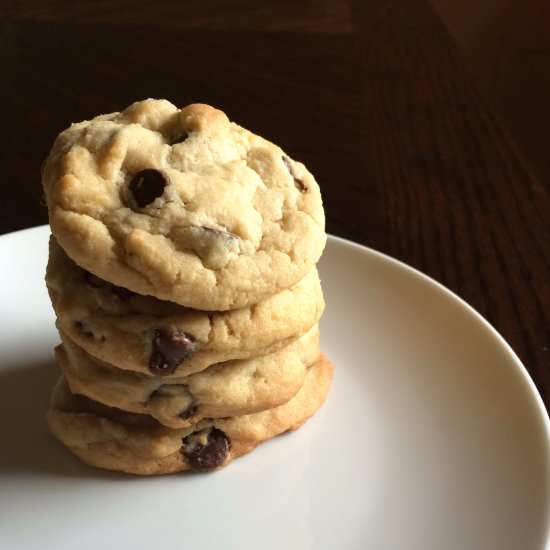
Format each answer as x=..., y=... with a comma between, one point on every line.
x=372, y=96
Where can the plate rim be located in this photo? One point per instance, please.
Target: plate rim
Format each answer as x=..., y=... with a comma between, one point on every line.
x=470, y=309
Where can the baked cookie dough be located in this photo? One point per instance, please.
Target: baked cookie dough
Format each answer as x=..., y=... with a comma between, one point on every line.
x=151, y=336
x=234, y=388
x=112, y=439
x=183, y=205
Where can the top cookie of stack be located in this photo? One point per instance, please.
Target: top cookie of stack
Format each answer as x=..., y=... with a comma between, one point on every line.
x=183, y=205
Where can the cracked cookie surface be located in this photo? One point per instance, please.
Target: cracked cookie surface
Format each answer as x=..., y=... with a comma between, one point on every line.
x=233, y=388
x=183, y=205
x=112, y=439
x=121, y=327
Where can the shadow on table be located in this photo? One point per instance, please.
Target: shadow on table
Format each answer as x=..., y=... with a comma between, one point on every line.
x=27, y=447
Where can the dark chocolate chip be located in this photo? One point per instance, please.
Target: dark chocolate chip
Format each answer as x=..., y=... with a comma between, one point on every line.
x=188, y=412
x=170, y=348
x=148, y=185
x=203, y=458
x=300, y=185
x=93, y=280
x=179, y=138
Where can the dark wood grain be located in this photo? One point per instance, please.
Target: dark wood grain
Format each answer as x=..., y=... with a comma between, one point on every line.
x=460, y=202
x=327, y=16
x=372, y=96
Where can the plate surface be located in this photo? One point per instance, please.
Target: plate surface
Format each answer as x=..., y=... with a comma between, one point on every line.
x=433, y=436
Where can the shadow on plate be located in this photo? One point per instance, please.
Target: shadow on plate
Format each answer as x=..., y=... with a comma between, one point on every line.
x=27, y=446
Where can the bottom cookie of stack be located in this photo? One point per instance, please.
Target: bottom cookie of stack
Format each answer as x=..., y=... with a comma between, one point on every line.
x=113, y=439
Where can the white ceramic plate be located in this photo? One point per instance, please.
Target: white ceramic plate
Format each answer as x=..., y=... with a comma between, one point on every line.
x=433, y=436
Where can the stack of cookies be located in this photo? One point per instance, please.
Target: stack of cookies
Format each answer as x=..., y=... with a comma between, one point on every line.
x=182, y=273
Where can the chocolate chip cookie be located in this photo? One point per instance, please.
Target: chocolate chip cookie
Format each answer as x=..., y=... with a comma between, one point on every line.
x=233, y=388
x=183, y=205
x=144, y=334
x=109, y=438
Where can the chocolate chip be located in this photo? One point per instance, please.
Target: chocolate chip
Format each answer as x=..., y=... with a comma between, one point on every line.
x=179, y=138
x=148, y=185
x=300, y=185
x=170, y=348
x=203, y=458
x=188, y=412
